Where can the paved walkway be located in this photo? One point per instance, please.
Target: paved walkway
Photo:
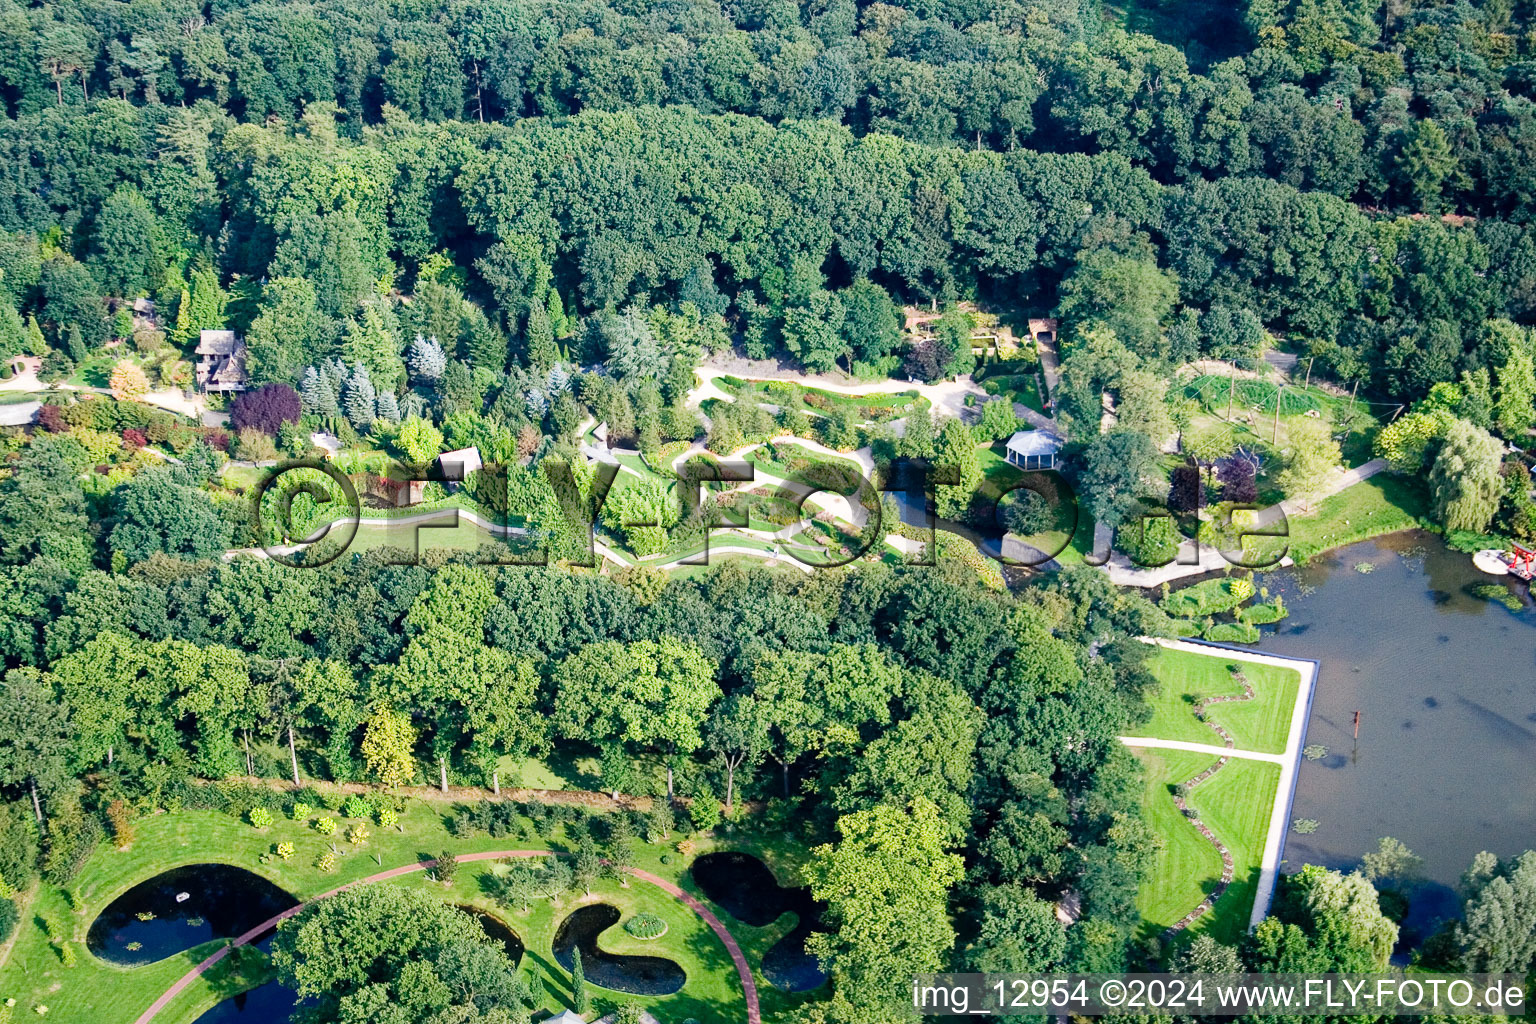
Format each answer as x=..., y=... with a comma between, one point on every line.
x=1289, y=761
x=169, y=399
x=1343, y=481
x=1050, y=362
x=1037, y=420
x=732, y=549
x=743, y=969
x=1201, y=748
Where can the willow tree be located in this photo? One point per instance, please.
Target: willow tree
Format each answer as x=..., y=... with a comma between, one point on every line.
x=1464, y=482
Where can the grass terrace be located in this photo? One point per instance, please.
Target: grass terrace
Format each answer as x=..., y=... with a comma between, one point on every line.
x=1235, y=804
x=876, y=408
x=1261, y=724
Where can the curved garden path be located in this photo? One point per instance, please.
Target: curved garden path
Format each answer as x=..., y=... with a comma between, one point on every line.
x=739, y=958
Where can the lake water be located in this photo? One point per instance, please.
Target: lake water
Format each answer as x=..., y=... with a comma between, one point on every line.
x=1445, y=683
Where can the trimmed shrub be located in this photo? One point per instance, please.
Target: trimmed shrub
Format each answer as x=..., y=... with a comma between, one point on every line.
x=1233, y=633
x=1209, y=597
x=1264, y=614
x=646, y=926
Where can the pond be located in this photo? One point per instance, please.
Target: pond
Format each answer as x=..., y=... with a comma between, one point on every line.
x=1442, y=680
x=182, y=908
x=637, y=975
x=495, y=928
x=745, y=888
x=264, y=1004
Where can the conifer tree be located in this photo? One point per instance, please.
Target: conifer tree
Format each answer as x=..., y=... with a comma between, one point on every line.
x=427, y=360
x=579, y=994
x=359, y=398
x=539, y=340
x=388, y=407
x=371, y=342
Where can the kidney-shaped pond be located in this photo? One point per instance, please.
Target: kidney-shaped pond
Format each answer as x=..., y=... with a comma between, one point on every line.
x=747, y=890
x=637, y=975
x=181, y=908
x=265, y=1004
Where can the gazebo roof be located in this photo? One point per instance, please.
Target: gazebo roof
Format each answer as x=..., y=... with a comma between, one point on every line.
x=1034, y=442
x=564, y=1017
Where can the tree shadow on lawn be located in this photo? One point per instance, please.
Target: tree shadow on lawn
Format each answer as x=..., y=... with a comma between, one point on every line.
x=242, y=969
x=1226, y=921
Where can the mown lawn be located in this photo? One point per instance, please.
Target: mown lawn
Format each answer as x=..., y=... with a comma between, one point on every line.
x=1386, y=503
x=998, y=475
x=1261, y=724
x=1021, y=388
x=1235, y=803
x=95, y=992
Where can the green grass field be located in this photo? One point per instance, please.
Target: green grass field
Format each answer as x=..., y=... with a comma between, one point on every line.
x=1021, y=388
x=998, y=474
x=1386, y=503
x=1261, y=724
x=1235, y=803
x=95, y=992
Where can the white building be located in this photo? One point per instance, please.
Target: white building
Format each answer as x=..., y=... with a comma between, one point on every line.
x=458, y=464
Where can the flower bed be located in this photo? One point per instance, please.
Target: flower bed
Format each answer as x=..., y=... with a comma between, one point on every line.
x=646, y=926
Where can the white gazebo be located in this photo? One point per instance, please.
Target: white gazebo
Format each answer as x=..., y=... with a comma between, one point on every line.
x=564, y=1017
x=1033, y=449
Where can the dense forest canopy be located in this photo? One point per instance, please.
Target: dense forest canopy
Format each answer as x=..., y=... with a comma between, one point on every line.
x=1357, y=177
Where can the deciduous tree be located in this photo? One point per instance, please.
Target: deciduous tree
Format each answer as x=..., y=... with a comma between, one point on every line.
x=886, y=885
x=1464, y=482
